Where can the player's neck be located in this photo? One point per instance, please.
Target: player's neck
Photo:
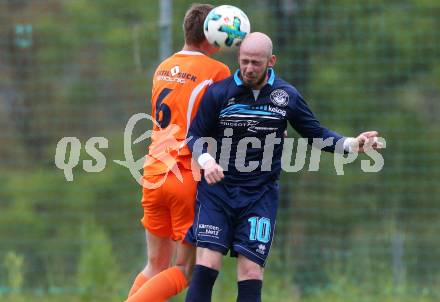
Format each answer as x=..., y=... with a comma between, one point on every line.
x=187, y=47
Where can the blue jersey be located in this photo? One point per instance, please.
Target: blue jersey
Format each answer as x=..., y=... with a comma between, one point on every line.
x=245, y=128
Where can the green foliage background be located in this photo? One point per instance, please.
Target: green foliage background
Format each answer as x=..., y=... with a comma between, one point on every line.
x=360, y=64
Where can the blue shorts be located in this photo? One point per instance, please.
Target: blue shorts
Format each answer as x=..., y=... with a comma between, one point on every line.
x=235, y=218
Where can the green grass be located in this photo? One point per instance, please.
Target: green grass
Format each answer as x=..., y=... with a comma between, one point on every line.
x=343, y=284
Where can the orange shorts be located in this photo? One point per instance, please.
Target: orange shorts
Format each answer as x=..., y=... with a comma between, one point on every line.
x=169, y=209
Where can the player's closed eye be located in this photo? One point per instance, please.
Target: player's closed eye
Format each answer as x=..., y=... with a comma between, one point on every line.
x=248, y=62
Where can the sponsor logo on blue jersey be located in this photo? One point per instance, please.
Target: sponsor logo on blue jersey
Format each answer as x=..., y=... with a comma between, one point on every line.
x=279, y=97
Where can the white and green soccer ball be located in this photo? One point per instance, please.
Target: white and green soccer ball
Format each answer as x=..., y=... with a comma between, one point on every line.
x=226, y=26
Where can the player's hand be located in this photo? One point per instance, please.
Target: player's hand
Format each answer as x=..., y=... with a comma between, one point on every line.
x=213, y=172
x=366, y=141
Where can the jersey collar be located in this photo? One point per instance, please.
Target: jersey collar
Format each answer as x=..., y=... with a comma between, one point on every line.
x=190, y=52
x=239, y=82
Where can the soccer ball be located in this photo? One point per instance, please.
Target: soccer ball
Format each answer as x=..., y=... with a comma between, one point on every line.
x=226, y=26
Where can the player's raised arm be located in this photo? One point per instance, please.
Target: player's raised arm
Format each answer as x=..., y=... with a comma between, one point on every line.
x=307, y=125
x=303, y=120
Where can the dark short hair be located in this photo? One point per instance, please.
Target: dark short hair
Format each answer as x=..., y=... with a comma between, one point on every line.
x=193, y=23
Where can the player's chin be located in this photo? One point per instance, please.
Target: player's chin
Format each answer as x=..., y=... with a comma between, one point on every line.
x=249, y=82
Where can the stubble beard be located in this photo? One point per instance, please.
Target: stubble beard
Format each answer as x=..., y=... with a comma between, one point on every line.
x=257, y=84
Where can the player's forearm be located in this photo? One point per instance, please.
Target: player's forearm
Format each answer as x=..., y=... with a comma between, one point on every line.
x=199, y=146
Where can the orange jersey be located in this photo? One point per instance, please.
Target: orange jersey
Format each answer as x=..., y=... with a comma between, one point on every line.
x=178, y=86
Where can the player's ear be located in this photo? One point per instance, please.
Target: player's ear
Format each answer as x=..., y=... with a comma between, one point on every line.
x=272, y=60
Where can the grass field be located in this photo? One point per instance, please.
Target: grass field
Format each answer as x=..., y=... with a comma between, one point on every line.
x=276, y=288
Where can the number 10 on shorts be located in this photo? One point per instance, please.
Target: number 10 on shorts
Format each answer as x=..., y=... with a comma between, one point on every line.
x=260, y=229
